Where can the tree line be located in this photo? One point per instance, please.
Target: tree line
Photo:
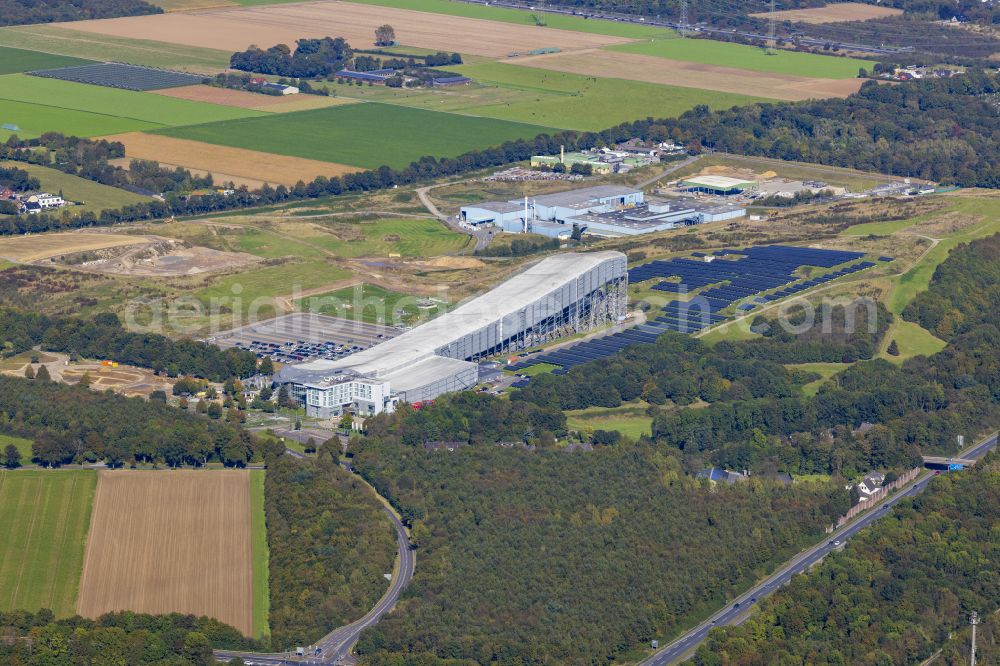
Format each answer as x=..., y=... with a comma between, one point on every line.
x=21, y=12
x=894, y=595
x=103, y=337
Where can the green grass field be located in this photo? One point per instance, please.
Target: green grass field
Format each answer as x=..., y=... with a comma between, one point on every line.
x=402, y=236
x=364, y=135
x=80, y=44
x=506, y=15
x=574, y=101
x=39, y=105
x=95, y=197
x=20, y=60
x=912, y=340
x=824, y=370
x=23, y=447
x=44, y=523
x=370, y=303
x=261, y=554
x=741, y=56
x=630, y=419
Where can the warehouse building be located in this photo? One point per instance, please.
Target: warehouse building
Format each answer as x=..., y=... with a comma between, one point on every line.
x=601, y=211
x=561, y=295
x=718, y=185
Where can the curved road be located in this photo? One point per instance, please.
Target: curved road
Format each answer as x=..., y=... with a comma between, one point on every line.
x=336, y=646
x=733, y=613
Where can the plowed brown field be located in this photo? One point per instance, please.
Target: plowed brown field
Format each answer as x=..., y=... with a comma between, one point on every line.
x=236, y=29
x=172, y=541
x=652, y=69
x=833, y=13
x=221, y=161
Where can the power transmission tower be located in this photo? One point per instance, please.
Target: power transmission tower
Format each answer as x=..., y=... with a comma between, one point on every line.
x=684, y=17
x=973, y=620
x=770, y=30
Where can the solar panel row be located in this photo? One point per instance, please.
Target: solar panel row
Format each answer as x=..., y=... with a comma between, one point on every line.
x=120, y=75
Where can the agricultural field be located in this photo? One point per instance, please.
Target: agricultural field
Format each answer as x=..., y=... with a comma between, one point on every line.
x=364, y=135
x=44, y=524
x=833, y=13
x=261, y=555
x=741, y=56
x=576, y=101
x=172, y=541
x=693, y=74
x=66, y=41
x=234, y=29
x=249, y=100
x=226, y=163
x=19, y=60
x=370, y=304
x=94, y=196
x=33, y=120
x=26, y=249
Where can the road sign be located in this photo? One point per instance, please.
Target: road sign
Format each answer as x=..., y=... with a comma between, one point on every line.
x=954, y=467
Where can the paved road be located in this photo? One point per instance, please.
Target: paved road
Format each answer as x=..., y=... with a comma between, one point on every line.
x=482, y=236
x=732, y=613
x=336, y=647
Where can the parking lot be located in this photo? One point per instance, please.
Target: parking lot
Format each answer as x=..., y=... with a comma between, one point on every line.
x=298, y=337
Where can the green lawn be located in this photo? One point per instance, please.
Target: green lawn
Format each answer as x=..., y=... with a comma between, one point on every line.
x=81, y=44
x=38, y=105
x=912, y=340
x=20, y=60
x=403, y=236
x=365, y=135
x=95, y=197
x=825, y=370
x=574, y=101
x=370, y=303
x=630, y=419
x=23, y=447
x=506, y=15
x=44, y=525
x=752, y=58
x=258, y=544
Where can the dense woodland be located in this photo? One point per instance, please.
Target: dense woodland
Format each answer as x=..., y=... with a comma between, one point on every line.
x=18, y=180
x=894, y=594
x=550, y=557
x=128, y=639
x=102, y=336
x=21, y=12
x=75, y=424
x=330, y=544
x=945, y=130
x=311, y=58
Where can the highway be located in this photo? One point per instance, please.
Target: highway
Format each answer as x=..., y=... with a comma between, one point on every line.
x=733, y=613
x=336, y=646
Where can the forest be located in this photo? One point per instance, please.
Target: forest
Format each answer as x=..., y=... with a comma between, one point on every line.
x=18, y=180
x=552, y=557
x=311, y=58
x=21, y=12
x=116, y=638
x=103, y=337
x=894, y=594
x=75, y=424
x=330, y=545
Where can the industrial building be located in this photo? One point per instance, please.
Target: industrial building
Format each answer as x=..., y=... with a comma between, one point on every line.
x=718, y=185
x=605, y=210
x=561, y=295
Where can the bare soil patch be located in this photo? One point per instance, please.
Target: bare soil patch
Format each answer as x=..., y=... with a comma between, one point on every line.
x=172, y=541
x=219, y=160
x=833, y=13
x=236, y=29
x=248, y=100
x=652, y=69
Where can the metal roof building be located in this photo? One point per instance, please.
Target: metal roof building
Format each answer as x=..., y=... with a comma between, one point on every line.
x=561, y=295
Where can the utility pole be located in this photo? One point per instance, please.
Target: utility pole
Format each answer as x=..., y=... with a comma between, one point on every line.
x=684, y=17
x=770, y=29
x=973, y=620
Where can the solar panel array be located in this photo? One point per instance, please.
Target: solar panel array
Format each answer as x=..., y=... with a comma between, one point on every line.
x=120, y=75
x=723, y=282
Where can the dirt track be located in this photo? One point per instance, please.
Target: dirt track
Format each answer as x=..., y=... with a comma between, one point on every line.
x=833, y=13
x=636, y=67
x=223, y=160
x=171, y=541
x=236, y=29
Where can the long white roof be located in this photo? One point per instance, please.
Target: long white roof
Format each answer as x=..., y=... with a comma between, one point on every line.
x=413, y=346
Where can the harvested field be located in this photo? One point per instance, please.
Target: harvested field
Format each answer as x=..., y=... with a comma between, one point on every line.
x=173, y=541
x=236, y=29
x=652, y=69
x=249, y=100
x=833, y=13
x=240, y=162
x=26, y=249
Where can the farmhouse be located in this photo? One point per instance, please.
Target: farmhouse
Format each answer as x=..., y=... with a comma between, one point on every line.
x=281, y=88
